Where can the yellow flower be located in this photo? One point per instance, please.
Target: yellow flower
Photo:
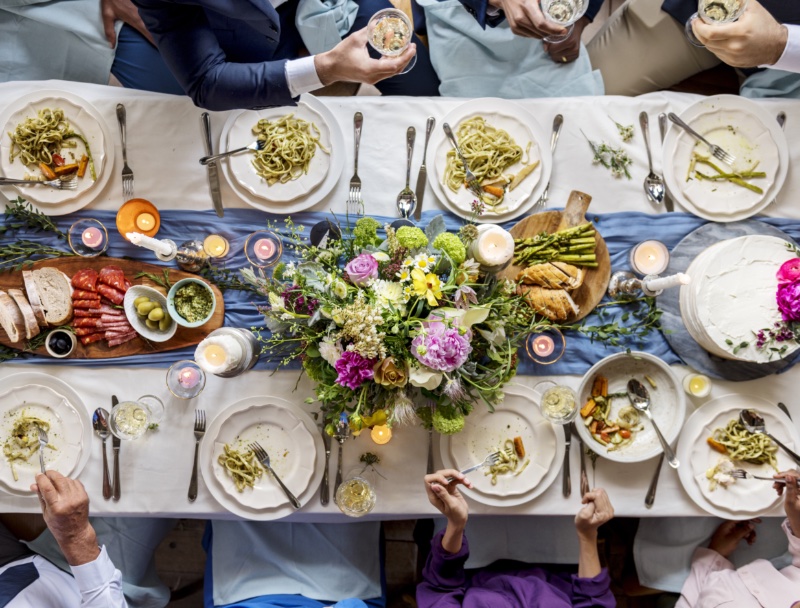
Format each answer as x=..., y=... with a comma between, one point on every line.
x=426, y=285
x=388, y=374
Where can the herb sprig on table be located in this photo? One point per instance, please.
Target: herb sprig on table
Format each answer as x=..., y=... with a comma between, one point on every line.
x=19, y=254
x=633, y=324
x=612, y=158
x=163, y=281
x=20, y=214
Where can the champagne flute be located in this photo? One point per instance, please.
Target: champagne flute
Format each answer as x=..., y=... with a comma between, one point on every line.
x=714, y=12
x=389, y=32
x=565, y=13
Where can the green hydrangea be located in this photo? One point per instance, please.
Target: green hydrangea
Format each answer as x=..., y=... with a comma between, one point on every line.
x=365, y=232
x=448, y=420
x=450, y=244
x=412, y=237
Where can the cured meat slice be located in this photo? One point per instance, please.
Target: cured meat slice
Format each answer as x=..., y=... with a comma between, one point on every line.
x=86, y=304
x=87, y=312
x=128, y=285
x=85, y=279
x=105, y=307
x=107, y=318
x=80, y=294
x=115, y=295
x=122, y=339
x=92, y=338
x=86, y=322
x=85, y=331
x=113, y=276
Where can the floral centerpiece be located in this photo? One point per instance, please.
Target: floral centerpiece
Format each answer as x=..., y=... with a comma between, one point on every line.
x=395, y=327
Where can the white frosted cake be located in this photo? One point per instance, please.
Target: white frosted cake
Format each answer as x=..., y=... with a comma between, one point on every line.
x=732, y=296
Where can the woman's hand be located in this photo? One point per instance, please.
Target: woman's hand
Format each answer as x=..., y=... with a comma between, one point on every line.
x=597, y=510
x=791, y=502
x=125, y=11
x=730, y=533
x=444, y=495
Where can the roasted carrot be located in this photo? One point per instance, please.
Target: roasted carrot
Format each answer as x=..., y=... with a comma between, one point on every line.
x=716, y=445
x=47, y=171
x=493, y=190
x=588, y=408
x=66, y=169
x=82, y=165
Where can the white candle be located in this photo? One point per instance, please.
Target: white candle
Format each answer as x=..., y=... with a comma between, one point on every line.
x=661, y=283
x=493, y=247
x=140, y=240
x=650, y=257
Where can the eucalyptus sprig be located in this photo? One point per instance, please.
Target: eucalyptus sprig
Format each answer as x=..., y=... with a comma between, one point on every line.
x=20, y=214
x=163, y=281
x=9, y=354
x=634, y=324
x=612, y=158
x=20, y=254
x=226, y=278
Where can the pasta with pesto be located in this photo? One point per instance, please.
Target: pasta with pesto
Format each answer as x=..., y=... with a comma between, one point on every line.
x=23, y=442
x=743, y=445
x=37, y=139
x=291, y=144
x=510, y=462
x=241, y=466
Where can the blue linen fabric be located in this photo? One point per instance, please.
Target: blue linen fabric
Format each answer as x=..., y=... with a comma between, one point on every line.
x=323, y=23
x=771, y=83
x=240, y=308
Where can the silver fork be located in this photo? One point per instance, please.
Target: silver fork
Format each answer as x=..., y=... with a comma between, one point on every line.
x=716, y=151
x=742, y=474
x=127, y=173
x=42, y=445
x=58, y=184
x=354, y=203
x=199, y=431
x=472, y=182
x=263, y=458
x=257, y=145
x=491, y=460
x=558, y=121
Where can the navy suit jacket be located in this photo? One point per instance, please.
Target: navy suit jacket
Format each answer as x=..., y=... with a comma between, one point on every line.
x=222, y=52
x=784, y=11
x=478, y=9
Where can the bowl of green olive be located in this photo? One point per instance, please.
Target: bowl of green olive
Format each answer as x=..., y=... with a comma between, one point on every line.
x=146, y=309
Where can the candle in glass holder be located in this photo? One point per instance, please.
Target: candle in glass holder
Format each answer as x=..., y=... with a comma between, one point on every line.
x=161, y=248
x=543, y=346
x=493, y=247
x=216, y=246
x=656, y=284
x=649, y=257
x=264, y=249
x=92, y=237
x=145, y=222
x=218, y=354
x=381, y=434
x=697, y=385
x=188, y=377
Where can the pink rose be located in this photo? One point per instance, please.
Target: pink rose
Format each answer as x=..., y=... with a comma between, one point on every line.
x=788, y=298
x=362, y=269
x=789, y=271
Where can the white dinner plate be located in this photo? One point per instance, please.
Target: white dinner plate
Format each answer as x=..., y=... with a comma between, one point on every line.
x=277, y=203
x=667, y=403
x=744, y=130
x=283, y=436
x=485, y=431
x=84, y=118
x=523, y=128
x=66, y=435
x=745, y=498
x=207, y=460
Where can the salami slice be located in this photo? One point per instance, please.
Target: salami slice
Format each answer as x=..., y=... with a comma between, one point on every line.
x=113, y=276
x=115, y=295
x=87, y=312
x=85, y=279
x=122, y=339
x=86, y=322
x=107, y=318
x=86, y=304
x=105, y=307
x=85, y=331
x=92, y=338
x=80, y=294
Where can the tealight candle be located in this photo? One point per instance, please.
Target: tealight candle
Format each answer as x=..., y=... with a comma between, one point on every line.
x=543, y=346
x=381, y=434
x=92, y=237
x=697, y=385
x=215, y=355
x=145, y=222
x=188, y=377
x=493, y=247
x=264, y=249
x=649, y=257
x=216, y=246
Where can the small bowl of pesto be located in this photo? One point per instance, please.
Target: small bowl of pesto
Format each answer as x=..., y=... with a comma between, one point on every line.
x=191, y=303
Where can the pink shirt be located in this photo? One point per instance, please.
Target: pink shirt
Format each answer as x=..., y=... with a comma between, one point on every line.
x=714, y=581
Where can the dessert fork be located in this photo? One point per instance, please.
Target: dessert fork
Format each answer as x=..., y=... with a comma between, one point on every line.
x=199, y=431
x=491, y=460
x=42, y=445
x=354, y=202
x=263, y=458
x=257, y=145
x=472, y=182
x=716, y=151
x=58, y=184
x=742, y=474
x=127, y=173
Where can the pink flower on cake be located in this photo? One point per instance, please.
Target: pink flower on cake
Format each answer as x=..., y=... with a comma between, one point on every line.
x=788, y=298
x=789, y=271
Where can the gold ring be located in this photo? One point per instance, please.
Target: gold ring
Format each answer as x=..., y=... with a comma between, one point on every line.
x=563, y=59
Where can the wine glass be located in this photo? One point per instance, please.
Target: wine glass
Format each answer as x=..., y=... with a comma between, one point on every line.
x=714, y=12
x=131, y=419
x=565, y=13
x=389, y=32
x=355, y=496
x=558, y=403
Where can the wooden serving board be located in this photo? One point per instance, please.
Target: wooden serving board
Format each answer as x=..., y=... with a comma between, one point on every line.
x=595, y=283
x=100, y=350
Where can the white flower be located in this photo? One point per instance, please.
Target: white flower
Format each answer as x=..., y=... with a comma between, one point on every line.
x=424, y=377
x=290, y=268
x=408, y=263
x=330, y=351
x=389, y=293
x=380, y=256
x=404, y=275
x=276, y=302
x=339, y=289
x=424, y=262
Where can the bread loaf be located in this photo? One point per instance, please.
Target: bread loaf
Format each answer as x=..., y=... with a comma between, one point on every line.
x=55, y=292
x=31, y=326
x=11, y=318
x=33, y=297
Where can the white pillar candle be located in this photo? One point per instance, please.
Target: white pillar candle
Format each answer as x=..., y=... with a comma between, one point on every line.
x=649, y=257
x=661, y=283
x=493, y=247
x=141, y=240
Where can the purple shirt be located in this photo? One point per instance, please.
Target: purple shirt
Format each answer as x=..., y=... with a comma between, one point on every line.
x=446, y=584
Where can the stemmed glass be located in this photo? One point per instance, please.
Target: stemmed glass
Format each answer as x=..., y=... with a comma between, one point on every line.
x=389, y=32
x=714, y=12
x=565, y=13
x=558, y=403
x=131, y=419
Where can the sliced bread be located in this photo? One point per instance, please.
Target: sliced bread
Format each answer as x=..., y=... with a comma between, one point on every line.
x=33, y=297
x=55, y=292
x=31, y=326
x=11, y=318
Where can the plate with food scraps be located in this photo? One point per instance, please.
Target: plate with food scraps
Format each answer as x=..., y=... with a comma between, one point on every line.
x=22, y=408
x=744, y=130
x=514, y=136
x=745, y=498
x=608, y=423
x=76, y=129
x=486, y=432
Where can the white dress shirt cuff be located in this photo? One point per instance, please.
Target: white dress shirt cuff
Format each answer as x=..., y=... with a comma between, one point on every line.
x=790, y=59
x=301, y=76
x=96, y=574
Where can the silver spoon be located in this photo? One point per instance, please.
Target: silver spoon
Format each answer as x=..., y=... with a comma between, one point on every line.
x=100, y=425
x=640, y=399
x=755, y=424
x=340, y=434
x=653, y=184
x=259, y=144
x=407, y=200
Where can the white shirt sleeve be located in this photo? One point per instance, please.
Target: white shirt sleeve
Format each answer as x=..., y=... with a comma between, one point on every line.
x=790, y=59
x=100, y=583
x=301, y=76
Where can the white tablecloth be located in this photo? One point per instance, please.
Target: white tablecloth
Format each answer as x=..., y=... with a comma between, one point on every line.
x=164, y=143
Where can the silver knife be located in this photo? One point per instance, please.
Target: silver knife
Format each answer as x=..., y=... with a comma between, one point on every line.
x=566, y=488
x=585, y=487
x=325, y=488
x=423, y=170
x=211, y=168
x=669, y=205
x=115, y=443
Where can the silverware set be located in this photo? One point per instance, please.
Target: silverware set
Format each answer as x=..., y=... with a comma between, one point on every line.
x=115, y=445
x=472, y=182
x=325, y=487
x=100, y=425
x=716, y=151
x=256, y=146
x=42, y=434
x=341, y=434
x=407, y=200
x=491, y=460
x=58, y=184
x=566, y=479
x=127, y=173
x=653, y=184
x=558, y=122
x=355, y=206
x=199, y=431
x=422, y=176
x=263, y=458
x=211, y=166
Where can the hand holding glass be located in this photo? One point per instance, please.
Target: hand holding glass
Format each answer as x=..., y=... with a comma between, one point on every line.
x=564, y=13
x=389, y=32
x=714, y=12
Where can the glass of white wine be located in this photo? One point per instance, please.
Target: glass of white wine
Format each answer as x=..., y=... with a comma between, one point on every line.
x=714, y=12
x=565, y=13
x=131, y=419
x=558, y=403
x=356, y=497
x=389, y=32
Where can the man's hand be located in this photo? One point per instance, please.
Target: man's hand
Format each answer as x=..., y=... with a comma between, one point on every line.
x=597, y=510
x=121, y=10
x=791, y=502
x=349, y=61
x=526, y=18
x=754, y=39
x=730, y=533
x=444, y=495
x=570, y=49
x=65, y=506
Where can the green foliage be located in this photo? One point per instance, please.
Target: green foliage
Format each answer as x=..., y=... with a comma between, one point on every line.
x=411, y=238
x=450, y=244
x=448, y=420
